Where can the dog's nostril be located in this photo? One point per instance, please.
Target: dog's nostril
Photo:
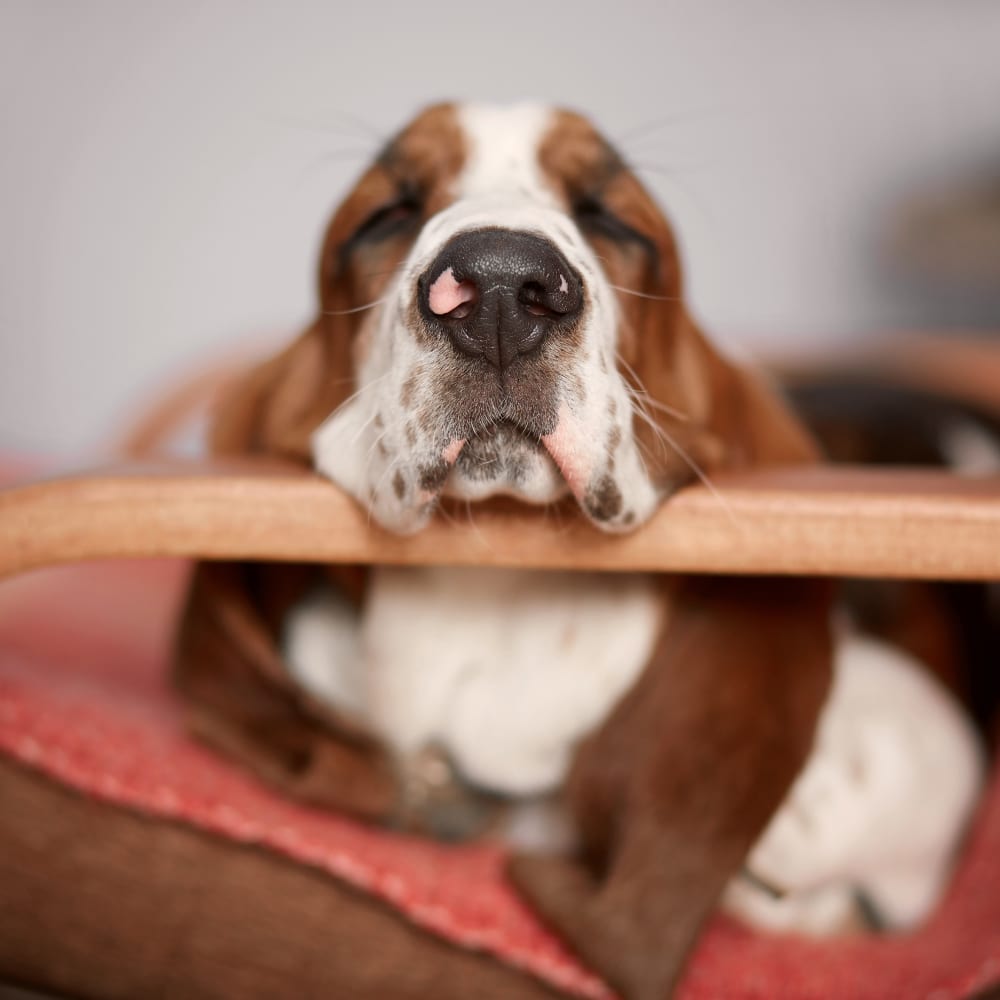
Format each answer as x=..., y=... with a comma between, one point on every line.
x=499, y=293
x=447, y=296
x=532, y=297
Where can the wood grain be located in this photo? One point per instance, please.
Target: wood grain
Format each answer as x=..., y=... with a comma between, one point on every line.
x=838, y=521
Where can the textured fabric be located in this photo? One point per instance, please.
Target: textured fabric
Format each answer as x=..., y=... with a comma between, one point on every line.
x=103, y=902
x=83, y=654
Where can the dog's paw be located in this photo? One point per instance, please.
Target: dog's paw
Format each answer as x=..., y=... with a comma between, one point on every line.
x=828, y=910
x=823, y=832
x=879, y=807
x=321, y=645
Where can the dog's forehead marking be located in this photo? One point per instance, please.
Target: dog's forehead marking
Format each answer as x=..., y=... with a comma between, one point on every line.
x=504, y=145
x=504, y=183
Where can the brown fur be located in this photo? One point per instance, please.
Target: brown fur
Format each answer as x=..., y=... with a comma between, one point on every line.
x=672, y=791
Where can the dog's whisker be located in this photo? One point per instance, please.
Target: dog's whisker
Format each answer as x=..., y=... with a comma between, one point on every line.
x=341, y=153
x=358, y=392
x=640, y=389
x=372, y=131
x=364, y=427
x=704, y=477
x=366, y=132
x=442, y=511
x=670, y=411
x=645, y=456
x=363, y=389
x=475, y=527
x=638, y=411
x=646, y=295
x=395, y=269
x=355, y=309
x=377, y=488
x=373, y=446
x=652, y=126
x=554, y=510
x=345, y=155
x=657, y=431
x=672, y=170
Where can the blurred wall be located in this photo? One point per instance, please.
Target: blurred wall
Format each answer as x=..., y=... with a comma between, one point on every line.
x=167, y=168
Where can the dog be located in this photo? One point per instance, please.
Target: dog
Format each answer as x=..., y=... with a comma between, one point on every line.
x=502, y=320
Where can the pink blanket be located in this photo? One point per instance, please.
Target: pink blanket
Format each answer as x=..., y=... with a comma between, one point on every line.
x=83, y=699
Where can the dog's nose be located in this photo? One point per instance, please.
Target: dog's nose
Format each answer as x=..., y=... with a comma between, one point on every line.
x=498, y=293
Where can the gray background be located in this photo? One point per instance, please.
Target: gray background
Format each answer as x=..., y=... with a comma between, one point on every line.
x=166, y=169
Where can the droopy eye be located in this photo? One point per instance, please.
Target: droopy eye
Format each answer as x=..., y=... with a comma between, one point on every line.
x=594, y=216
x=391, y=218
x=595, y=219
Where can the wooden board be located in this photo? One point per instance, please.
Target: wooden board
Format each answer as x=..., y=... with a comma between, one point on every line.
x=837, y=521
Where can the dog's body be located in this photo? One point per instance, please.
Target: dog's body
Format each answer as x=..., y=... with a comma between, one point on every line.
x=502, y=316
x=536, y=661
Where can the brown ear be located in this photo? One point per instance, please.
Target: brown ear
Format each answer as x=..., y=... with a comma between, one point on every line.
x=240, y=700
x=673, y=790
x=719, y=414
x=228, y=664
x=276, y=407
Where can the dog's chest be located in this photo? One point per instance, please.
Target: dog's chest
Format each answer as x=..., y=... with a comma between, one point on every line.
x=506, y=670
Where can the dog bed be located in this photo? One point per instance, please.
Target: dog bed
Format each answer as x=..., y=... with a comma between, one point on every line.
x=133, y=862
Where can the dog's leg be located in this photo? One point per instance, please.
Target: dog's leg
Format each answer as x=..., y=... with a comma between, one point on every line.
x=880, y=806
x=673, y=791
x=321, y=645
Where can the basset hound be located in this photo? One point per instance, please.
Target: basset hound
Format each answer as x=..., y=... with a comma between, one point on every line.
x=501, y=320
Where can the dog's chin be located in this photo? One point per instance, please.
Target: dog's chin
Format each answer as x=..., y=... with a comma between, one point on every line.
x=505, y=461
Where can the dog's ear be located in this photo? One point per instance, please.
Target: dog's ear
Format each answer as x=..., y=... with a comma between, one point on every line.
x=277, y=405
x=239, y=698
x=228, y=664
x=671, y=793
x=720, y=414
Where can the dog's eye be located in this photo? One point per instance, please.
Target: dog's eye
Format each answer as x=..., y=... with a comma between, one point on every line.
x=388, y=220
x=594, y=217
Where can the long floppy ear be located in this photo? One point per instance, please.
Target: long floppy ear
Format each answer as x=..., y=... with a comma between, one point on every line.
x=674, y=789
x=228, y=664
x=275, y=408
x=720, y=414
x=735, y=418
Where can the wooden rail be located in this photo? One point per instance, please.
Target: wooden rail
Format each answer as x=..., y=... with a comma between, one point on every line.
x=837, y=521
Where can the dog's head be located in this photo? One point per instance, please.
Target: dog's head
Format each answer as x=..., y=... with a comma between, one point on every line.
x=502, y=313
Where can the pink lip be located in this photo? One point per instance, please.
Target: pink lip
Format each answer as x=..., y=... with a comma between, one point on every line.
x=451, y=452
x=449, y=455
x=564, y=445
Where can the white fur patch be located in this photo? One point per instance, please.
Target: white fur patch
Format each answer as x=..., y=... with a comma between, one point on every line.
x=880, y=806
x=322, y=645
x=504, y=670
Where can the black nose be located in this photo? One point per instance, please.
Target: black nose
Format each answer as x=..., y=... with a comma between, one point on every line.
x=499, y=293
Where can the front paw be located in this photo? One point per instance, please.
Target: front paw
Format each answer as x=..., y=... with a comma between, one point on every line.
x=882, y=801
x=435, y=800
